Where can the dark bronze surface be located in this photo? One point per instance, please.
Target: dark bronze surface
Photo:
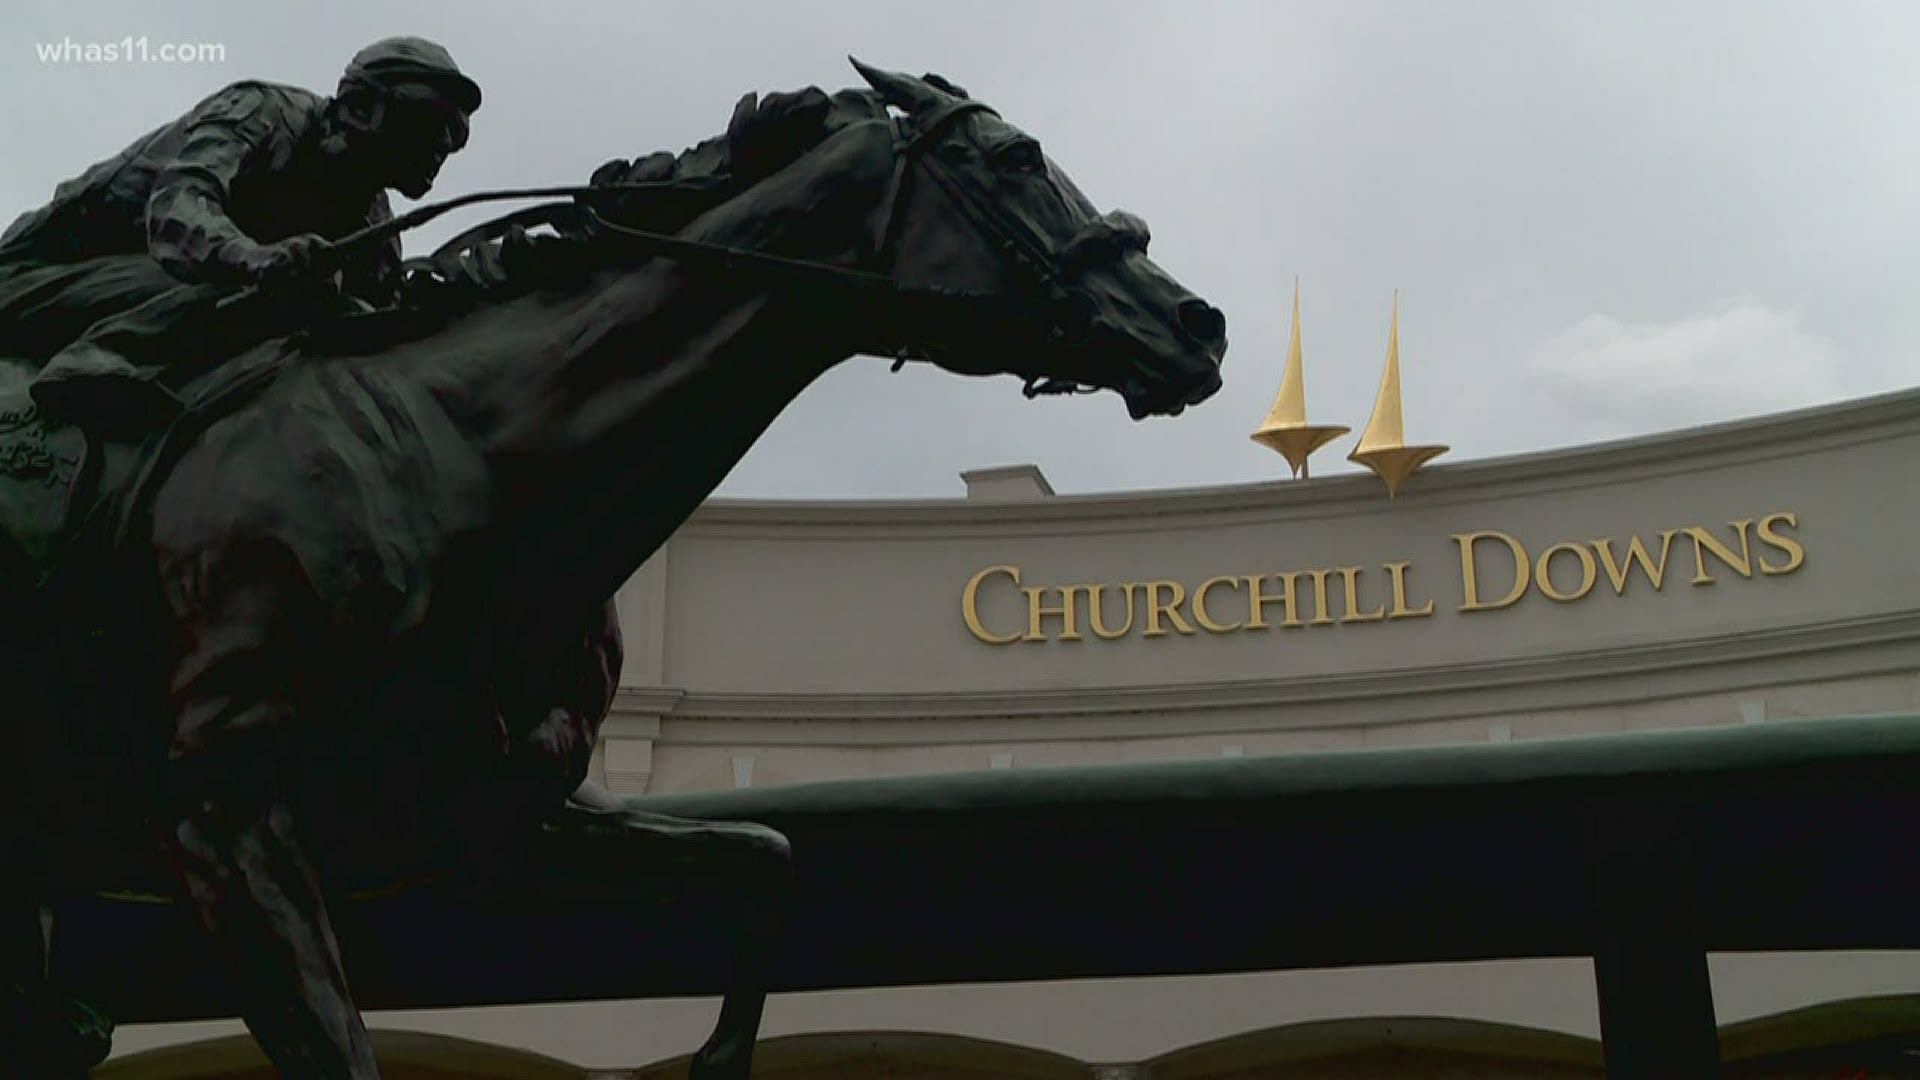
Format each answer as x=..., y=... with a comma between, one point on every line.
x=342, y=621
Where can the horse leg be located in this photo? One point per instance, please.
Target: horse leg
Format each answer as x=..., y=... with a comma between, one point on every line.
x=259, y=898
x=760, y=905
x=553, y=704
x=750, y=868
x=238, y=754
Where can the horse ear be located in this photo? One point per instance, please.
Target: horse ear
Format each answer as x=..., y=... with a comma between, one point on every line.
x=902, y=91
x=942, y=83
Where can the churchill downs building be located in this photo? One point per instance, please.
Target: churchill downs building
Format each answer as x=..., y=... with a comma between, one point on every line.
x=1753, y=573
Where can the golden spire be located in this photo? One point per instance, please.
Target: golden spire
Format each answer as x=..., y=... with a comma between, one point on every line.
x=1286, y=428
x=1383, y=446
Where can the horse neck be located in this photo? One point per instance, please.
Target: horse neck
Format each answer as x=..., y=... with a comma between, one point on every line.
x=605, y=427
x=601, y=445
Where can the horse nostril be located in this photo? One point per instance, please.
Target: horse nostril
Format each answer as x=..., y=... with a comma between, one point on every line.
x=1202, y=320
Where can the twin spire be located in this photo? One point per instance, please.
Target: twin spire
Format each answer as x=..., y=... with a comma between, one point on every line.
x=1286, y=428
x=1383, y=447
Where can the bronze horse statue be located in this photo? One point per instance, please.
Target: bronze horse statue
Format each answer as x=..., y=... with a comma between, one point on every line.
x=348, y=623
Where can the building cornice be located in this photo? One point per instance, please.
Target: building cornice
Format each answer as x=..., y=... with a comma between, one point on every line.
x=1621, y=461
x=1846, y=648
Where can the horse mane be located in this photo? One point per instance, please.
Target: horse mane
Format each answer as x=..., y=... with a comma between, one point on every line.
x=504, y=257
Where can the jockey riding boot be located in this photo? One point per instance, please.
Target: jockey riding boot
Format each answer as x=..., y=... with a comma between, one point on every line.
x=96, y=388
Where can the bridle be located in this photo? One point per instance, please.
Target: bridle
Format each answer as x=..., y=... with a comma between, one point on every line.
x=1049, y=274
x=1047, y=306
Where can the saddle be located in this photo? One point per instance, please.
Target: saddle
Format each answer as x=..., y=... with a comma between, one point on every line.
x=72, y=503
x=40, y=469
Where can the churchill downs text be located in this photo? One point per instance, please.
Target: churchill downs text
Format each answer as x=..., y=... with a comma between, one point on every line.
x=1495, y=572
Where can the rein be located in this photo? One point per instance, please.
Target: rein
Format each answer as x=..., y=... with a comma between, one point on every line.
x=970, y=307
x=340, y=250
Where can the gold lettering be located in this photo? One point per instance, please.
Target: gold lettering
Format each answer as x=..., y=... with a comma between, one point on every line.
x=970, y=606
x=1589, y=573
x=1320, y=615
x=1636, y=553
x=1257, y=600
x=1155, y=608
x=1796, y=553
x=1398, y=572
x=1470, y=581
x=1351, y=576
x=1769, y=546
x=1096, y=606
x=1704, y=540
x=1069, y=626
x=1200, y=606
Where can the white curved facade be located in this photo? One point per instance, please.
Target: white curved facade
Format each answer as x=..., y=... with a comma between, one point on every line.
x=1743, y=573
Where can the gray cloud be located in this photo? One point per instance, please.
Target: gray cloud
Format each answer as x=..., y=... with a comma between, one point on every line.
x=1603, y=219
x=1609, y=378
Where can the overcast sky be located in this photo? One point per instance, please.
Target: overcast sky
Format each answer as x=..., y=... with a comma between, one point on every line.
x=1604, y=219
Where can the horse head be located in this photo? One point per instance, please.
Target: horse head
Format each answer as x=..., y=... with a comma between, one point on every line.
x=1072, y=302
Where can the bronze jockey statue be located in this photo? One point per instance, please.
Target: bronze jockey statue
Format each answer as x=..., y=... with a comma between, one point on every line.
x=250, y=186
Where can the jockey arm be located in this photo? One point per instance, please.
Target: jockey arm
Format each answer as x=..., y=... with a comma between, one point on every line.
x=189, y=231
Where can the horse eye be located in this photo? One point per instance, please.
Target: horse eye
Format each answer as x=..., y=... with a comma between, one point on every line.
x=1023, y=157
